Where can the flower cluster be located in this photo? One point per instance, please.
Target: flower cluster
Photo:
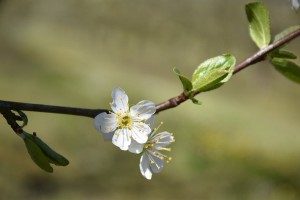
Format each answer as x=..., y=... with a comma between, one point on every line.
x=131, y=128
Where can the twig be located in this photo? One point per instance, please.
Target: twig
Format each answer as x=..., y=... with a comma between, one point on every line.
x=7, y=106
x=257, y=57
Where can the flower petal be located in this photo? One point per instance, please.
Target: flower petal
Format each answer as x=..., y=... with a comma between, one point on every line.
x=135, y=147
x=143, y=110
x=105, y=123
x=120, y=101
x=122, y=138
x=156, y=163
x=163, y=139
x=144, y=167
x=140, y=132
x=150, y=122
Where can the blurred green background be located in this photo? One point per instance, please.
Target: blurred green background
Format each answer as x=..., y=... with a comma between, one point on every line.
x=242, y=143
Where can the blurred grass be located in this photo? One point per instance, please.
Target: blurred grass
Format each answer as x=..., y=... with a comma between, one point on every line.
x=242, y=143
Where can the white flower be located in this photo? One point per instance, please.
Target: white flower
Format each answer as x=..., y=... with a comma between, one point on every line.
x=295, y=4
x=152, y=159
x=124, y=124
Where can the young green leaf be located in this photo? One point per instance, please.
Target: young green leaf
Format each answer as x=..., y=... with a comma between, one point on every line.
x=259, y=23
x=196, y=101
x=23, y=117
x=213, y=72
x=286, y=32
x=186, y=83
x=37, y=155
x=287, y=68
x=279, y=53
x=52, y=155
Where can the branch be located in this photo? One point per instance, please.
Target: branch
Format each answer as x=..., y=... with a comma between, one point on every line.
x=257, y=57
x=7, y=106
x=11, y=120
x=261, y=54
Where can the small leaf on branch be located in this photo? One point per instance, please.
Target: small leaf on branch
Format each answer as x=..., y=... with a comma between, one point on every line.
x=196, y=101
x=37, y=155
x=42, y=154
x=186, y=83
x=287, y=68
x=53, y=156
x=279, y=53
x=259, y=23
x=23, y=117
x=286, y=32
x=213, y=72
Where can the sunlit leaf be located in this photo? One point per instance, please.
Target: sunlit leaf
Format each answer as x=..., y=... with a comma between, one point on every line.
x=186, y=83
x=213, y=72
x=259, y=23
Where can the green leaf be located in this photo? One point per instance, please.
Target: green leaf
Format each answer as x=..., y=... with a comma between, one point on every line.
x=36, y=154
x=23, y=117
x=286, y=32
x=186, y=83
x=196, y=101
x=213, y=72
x=287, y=68
x=52, y=155
x=279, y=53
x=259, y=23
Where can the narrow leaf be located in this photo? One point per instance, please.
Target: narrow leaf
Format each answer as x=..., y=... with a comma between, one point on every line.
x=52, y=155
x=287, y=68
x=196, y=101
x=186, y=83
x=286, y=32
x=37, y=155
x=259, y=23
x=213, y=72
x=23, y=117
x=279, y=53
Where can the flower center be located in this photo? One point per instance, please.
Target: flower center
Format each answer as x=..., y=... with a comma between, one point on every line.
x=125, y=121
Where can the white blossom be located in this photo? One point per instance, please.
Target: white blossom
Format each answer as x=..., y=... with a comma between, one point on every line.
x=295, y=4
x=124, y=125
x=152, y=160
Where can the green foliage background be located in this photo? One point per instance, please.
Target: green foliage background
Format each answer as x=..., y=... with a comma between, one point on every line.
x=242, y=143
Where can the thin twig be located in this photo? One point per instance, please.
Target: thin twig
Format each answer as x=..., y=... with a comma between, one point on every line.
x=6, y=106
x=257, y=57
x=9, y=105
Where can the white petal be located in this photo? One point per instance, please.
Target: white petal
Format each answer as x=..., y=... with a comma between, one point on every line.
x=144, y=167
x=140, y=132
x=120, y=101
x=150, y=122
x=157, y=164
x=135, y=147
x=163, y=139
x=295, y=4
x=142, y=110
x=122, y=138
x=105, y=123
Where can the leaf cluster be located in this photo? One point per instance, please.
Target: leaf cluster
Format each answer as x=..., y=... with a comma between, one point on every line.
x=259, y=27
